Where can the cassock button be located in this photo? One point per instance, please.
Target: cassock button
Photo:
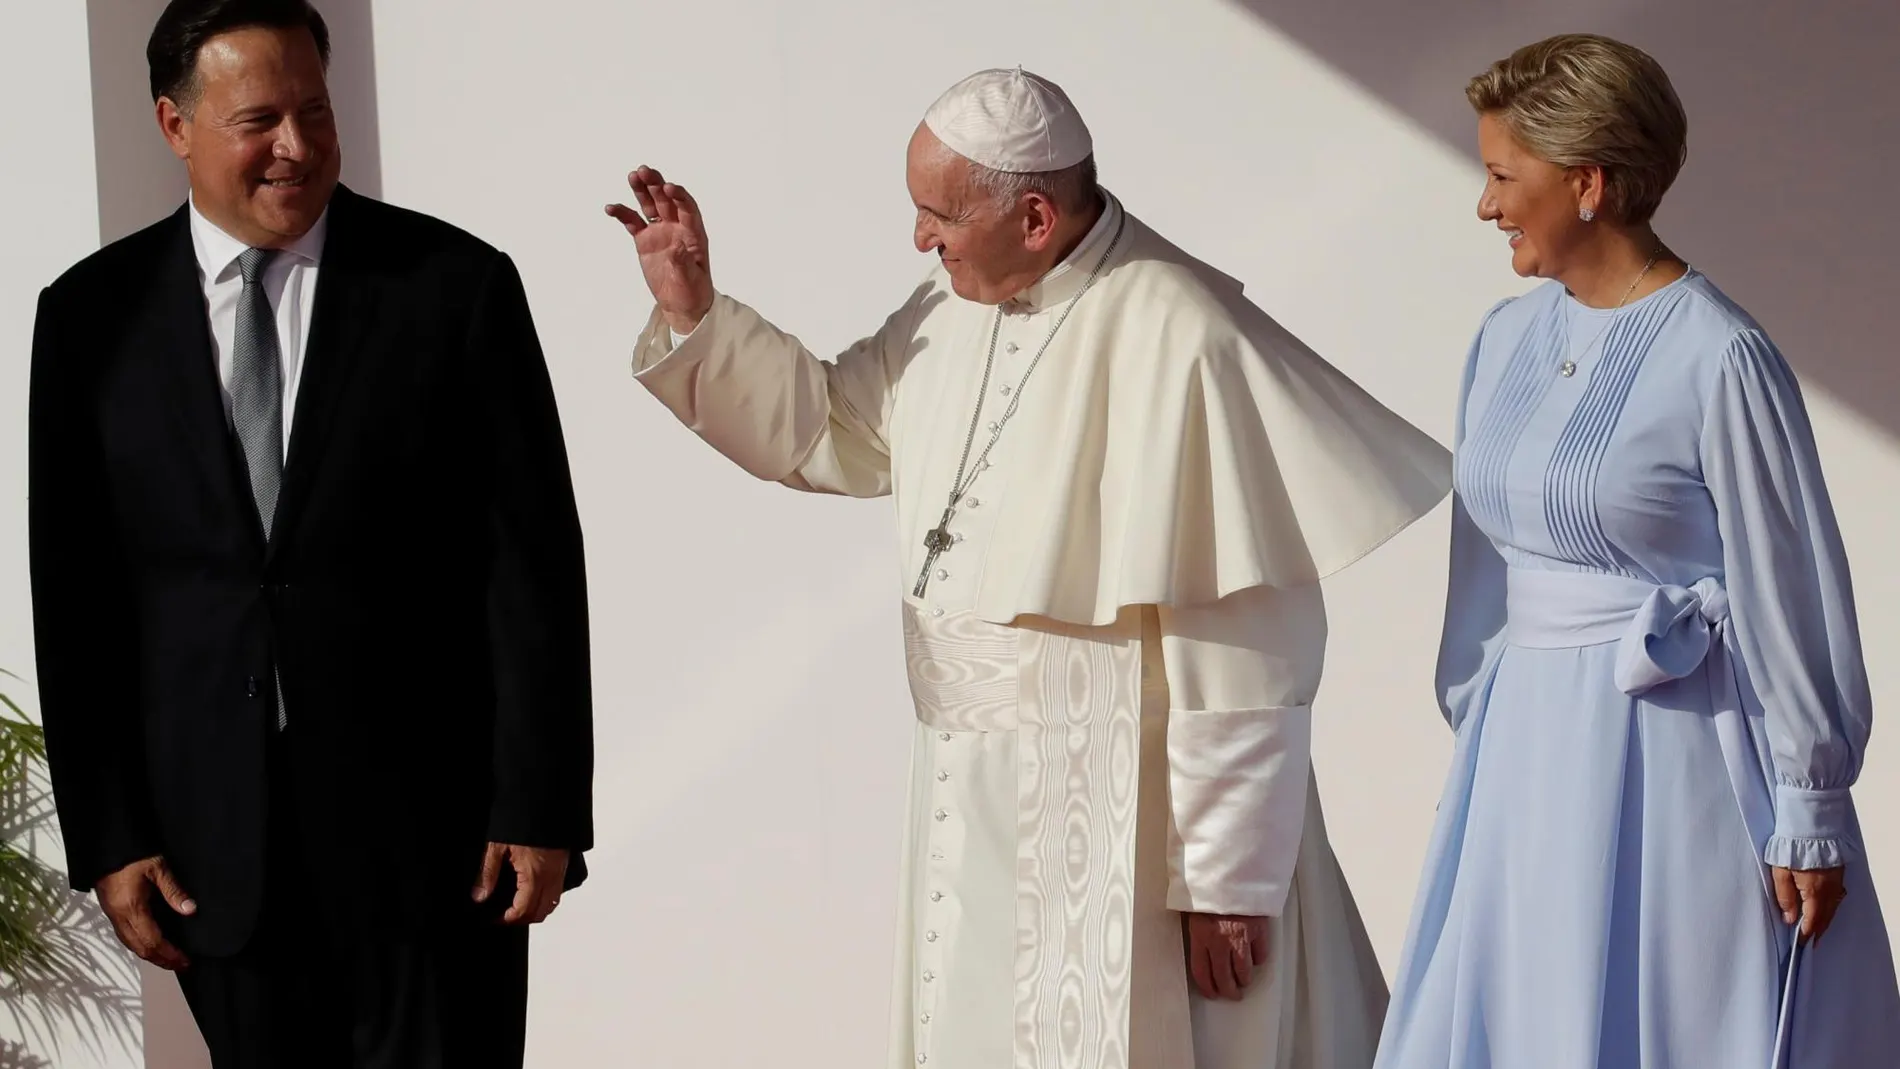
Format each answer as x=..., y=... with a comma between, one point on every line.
x=922, y=1058
x=1007, y=390
x=941, y=815
x=938, y=611
x=957, y=537
x=943, y=736
x=929, y=976
x=972, y=502
x=943, y=777
x=1567, y=368
x=930, y=937
x=924, y=1019
x=936, y=896
x=943, y=573
x=1009, y=348
x=992, y=427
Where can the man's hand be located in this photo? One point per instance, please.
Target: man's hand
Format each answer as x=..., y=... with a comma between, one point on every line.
x=1222, y=953
x=539, y=875
x=671, y=239
x=1811, y=895
x=126, y=898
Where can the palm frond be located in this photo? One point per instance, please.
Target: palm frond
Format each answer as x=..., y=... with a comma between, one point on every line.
x=61, y=972
x=28, y=898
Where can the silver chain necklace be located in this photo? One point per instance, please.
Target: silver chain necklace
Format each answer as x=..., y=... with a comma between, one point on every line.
x=939, y=540
x=1569, y=366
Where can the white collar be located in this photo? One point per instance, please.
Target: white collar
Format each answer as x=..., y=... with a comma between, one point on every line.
x=1065, y=279
x=218, y=251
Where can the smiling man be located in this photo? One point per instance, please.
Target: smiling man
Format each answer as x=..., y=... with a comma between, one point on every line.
x=308, y=588
x=1118, y=483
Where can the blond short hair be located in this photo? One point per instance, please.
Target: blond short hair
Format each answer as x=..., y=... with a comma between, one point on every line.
x=1581, y=100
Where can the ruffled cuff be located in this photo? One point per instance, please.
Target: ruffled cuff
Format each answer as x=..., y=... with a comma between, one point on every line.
x=1237, y=786
x=1814, y=829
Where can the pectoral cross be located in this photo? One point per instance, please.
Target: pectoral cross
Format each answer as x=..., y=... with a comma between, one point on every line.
x=938, y=542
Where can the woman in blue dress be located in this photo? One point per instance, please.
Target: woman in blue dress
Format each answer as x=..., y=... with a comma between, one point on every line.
x=1650, y=653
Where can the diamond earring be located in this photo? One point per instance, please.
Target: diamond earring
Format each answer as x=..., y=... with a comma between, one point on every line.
x=1586, y=214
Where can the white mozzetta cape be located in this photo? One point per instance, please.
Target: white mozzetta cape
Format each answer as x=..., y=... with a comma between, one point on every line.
x=1191, y=446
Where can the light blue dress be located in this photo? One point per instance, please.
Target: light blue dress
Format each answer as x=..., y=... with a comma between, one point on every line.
x=1652, y=664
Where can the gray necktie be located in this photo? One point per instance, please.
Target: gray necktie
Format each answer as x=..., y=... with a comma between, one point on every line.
x=257, y=386
x=257, y=400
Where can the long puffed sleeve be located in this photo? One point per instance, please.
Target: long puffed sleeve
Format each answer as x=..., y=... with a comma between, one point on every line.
x=761, y=398
x=1241, y=675
x=1791, y=600
x=1473, y=634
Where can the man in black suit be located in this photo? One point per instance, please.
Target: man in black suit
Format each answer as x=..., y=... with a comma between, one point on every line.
x=308, y=586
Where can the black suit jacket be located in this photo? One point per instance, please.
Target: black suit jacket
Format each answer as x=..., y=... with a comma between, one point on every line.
x=423, y=597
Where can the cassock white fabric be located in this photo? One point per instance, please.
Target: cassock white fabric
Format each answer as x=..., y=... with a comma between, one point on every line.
x=1223, y=589
x=290, y=283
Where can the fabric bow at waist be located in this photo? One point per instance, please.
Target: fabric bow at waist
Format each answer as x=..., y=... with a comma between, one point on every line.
x=1663, y=633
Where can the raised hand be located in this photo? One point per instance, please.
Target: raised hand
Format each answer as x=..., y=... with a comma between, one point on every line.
x=671, y=239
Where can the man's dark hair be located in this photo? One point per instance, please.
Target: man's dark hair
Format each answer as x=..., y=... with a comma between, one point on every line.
x=186, y=25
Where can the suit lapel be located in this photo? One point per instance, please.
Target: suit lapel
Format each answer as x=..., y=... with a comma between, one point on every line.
x=180, y=331
x=345, y=304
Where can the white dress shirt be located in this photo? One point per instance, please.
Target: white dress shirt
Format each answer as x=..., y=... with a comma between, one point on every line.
x=290, y=283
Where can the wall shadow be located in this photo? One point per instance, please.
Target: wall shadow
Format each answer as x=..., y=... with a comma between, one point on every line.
x=17, y=1056
x=140, y=181
x=353, y=91
x=1793, y=139
x=83, y=989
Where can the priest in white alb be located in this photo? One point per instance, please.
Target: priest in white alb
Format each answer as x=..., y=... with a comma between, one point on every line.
x=1118, y=484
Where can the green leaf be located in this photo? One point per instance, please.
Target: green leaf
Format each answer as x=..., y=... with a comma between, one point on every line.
x=30, y=893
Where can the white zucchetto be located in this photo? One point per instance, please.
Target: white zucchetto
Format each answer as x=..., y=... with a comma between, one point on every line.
x=1010, y=120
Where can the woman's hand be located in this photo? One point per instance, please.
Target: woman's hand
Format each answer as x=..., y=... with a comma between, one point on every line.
x=1812, y=895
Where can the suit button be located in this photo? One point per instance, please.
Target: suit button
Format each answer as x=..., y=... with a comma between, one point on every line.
x=251, y=687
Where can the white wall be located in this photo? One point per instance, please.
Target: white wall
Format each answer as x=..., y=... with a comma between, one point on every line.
x=751, y=713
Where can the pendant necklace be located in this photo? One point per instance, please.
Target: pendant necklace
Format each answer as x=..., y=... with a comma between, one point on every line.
x=1569, y=367
x=939, y=540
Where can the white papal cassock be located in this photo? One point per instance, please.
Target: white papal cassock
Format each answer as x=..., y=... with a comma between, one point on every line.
x=1114, y=661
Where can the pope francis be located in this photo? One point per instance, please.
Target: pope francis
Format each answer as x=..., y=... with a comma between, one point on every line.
x=1118, y=484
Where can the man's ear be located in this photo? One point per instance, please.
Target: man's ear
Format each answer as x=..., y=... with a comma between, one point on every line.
x=173, y=123
x=1040, y=216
